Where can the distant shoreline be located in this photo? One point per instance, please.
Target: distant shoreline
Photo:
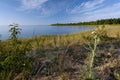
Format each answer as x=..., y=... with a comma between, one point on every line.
x=97, y=22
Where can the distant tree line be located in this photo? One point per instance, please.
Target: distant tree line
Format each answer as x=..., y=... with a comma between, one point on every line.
x=98, y=22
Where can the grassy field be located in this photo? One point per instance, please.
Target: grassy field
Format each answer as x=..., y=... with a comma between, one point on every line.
x=63, y=57
x=113, y=30
x=67, y=39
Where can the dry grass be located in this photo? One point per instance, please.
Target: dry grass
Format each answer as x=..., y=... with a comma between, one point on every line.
x=113, y=30
x=58, y=41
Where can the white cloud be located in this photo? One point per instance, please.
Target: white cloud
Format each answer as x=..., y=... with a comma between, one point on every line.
x=42, y=8
x=87, y=6
x=107, y=10
x=111, y=11
x=32, y=4
x=93, y=3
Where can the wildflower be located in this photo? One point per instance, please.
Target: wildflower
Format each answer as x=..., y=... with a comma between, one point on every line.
x=93, y=32
x=23, y=64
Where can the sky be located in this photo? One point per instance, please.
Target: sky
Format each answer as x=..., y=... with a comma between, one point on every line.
x=44, y=12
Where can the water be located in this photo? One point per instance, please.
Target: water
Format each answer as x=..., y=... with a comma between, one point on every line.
x=35, y=30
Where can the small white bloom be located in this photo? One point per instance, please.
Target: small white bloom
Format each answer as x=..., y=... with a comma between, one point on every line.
x=23, y=64
x=93, y=32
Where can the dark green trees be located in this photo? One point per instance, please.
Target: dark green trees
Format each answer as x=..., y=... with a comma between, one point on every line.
x=98, y=22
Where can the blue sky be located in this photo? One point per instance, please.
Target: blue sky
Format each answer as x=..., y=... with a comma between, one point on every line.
x=38, y=12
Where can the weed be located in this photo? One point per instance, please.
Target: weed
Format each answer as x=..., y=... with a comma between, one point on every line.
x=15, y=60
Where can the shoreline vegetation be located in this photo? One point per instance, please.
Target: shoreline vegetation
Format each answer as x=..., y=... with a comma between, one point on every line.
x=86, y=55
x=98, y=22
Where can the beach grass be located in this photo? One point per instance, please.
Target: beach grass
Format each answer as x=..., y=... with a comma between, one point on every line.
x=52, y=41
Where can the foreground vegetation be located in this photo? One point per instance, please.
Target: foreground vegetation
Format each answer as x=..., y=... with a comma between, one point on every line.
x=88, y=55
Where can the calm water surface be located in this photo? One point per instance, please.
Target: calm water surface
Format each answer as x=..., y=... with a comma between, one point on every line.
x=31, y=31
